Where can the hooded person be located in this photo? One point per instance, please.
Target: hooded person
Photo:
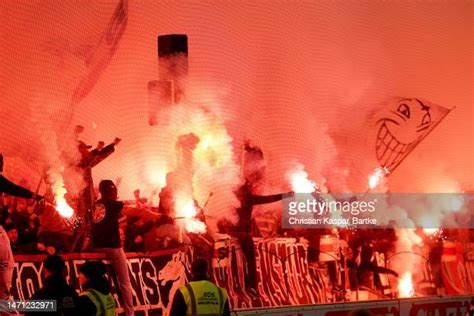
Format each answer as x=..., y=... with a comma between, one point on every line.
x=105, y=216
x=56, y=288
x=96, y=299
x=106, y=238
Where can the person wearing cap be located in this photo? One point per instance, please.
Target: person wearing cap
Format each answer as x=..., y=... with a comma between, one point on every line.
x=96, y=299
x=56, y=288
x=89, y=159
x=200, y=296
x=6, y=256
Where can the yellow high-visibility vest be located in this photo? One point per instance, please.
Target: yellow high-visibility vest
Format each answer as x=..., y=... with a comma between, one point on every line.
x=203, y=298
x=105, y=304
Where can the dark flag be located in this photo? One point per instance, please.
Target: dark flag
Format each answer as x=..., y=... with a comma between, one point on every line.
x=103, y=53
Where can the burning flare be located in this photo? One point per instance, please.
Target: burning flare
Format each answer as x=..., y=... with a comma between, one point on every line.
x=300, y=182
x=60, y=191
x=377, y=176
x=212, y=167
x=405, y=286
x=430, y=231
x=186, y=211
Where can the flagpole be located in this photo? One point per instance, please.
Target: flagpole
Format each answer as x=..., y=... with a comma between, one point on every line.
x=420, y=140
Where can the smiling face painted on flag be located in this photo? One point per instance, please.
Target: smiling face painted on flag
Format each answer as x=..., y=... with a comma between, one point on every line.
x=401, y=129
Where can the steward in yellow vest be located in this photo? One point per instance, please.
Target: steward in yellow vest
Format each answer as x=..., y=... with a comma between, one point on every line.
x=96, y=299
x=200, y=296
x=104, y=304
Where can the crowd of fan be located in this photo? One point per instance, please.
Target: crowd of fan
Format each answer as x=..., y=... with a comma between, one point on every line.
x=22, y=225
x=37, y=228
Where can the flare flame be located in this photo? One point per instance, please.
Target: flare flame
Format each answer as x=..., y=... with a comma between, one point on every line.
x=299, y=181
x=405, y=286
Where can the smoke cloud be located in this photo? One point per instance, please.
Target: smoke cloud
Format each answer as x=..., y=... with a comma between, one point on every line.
x=299, y=80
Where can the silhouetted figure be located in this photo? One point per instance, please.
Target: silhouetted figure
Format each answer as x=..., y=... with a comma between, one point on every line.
x=89, y=159
x=254, y=170
x=106, y=238
x=56, y=288
x=368, y=268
